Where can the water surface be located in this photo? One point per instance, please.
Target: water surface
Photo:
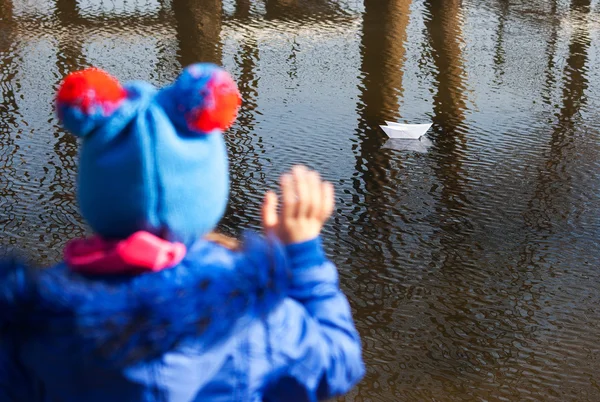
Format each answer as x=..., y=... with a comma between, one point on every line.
x=472, y=268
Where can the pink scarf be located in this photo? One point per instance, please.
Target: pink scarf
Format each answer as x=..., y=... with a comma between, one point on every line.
x=140, y=252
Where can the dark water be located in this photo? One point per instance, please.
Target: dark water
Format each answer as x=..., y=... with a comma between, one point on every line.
x=473, y=268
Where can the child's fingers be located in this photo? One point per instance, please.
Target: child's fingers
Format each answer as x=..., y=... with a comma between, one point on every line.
x=270, y=219
x=328, y=200
x=288, y=195
x=302, y=190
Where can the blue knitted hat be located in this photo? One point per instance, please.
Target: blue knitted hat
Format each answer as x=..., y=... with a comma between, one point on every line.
x=151, y=160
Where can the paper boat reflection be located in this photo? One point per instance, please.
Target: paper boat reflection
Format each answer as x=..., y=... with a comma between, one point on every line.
x=405, y=131
x=397, y=144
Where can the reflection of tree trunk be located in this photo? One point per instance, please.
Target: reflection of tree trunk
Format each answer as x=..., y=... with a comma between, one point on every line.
x=576, y=83
x=575, y=71
x=8, y=70
x=167, y=66
x=383, y=53
x=242, y=9
x=279, y=8
x=198, y=30
x=445, y=36
x=6, y=25
x=164, y=9
x=67, y=12
x=551, y=52
x=499, y=48
x=70, y=48
x=382, y=47
x=554, y=179
x=6, y=10
x=384, y=26
x=6, y=55
x=299, y=9
x=69, y=58
x=247, y=60
x=551, y=204
x=248, y=82
x=8, y=122
x=456, y=242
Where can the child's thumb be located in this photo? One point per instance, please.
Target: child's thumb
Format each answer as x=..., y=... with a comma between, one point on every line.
x=270, y=220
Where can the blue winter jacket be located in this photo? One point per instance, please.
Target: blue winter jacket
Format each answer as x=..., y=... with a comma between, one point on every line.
x=263, y=324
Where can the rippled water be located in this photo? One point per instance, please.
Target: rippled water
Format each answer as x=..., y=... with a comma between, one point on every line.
x=472, y=267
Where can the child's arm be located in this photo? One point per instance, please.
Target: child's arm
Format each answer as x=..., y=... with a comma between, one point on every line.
x=316, y=348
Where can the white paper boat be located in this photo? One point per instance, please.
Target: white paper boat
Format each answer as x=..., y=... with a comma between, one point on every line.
x=405, y=131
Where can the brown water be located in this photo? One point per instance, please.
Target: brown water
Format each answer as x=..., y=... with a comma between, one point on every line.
x=472, y=266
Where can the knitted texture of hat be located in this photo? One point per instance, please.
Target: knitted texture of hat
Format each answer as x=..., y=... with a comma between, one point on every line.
x=151, y=160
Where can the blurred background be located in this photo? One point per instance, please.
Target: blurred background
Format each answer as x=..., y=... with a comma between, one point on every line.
x=471, y=266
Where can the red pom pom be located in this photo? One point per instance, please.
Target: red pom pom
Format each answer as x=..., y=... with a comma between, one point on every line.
x=221, y=106
x=90, y=87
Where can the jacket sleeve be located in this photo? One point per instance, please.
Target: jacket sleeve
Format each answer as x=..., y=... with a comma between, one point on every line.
x=315, y=346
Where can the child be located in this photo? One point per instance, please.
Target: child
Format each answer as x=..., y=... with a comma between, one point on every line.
x=156, y=307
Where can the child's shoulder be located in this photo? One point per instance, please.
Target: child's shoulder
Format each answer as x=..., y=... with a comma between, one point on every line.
x=205, y=259
x=109, y=316
x=254, y=253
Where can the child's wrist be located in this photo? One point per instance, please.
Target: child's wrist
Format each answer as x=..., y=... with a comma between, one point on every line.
x=306, y=253
x=299, y=235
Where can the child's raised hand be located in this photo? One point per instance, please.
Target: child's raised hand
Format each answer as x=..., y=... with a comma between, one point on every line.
x=307, y=202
